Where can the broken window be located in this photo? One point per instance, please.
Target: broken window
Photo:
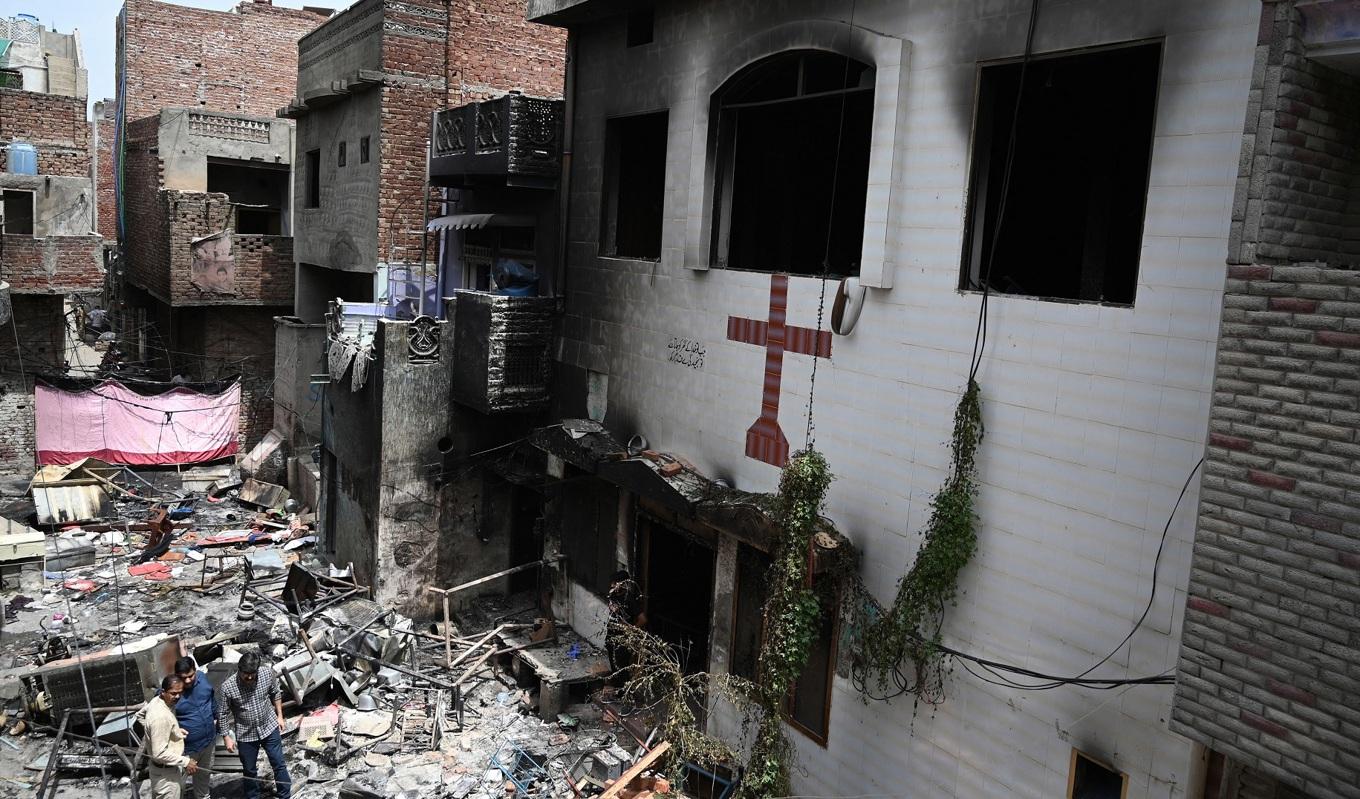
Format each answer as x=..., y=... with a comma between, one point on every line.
x=258, y=192
x=363, y=149
x=16, y=217
x=1088, y=778
x=1073, y=217
x=792, y=166
x=312, y=178
x=340, y=154
x=634, y=186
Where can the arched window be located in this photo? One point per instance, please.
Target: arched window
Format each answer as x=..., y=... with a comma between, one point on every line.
x=792, y=170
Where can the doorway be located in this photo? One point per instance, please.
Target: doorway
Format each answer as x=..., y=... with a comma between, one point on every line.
x=677, y=587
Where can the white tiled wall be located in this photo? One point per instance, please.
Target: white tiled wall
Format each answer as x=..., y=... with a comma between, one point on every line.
x=1094, y=415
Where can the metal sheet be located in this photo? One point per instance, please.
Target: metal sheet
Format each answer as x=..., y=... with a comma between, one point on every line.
x=58, y=504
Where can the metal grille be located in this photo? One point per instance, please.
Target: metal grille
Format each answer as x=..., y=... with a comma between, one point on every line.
x=523, y=365
x=105, y=680
x=235, y=128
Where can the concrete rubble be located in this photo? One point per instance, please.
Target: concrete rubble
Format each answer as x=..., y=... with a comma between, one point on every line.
x=495, y=703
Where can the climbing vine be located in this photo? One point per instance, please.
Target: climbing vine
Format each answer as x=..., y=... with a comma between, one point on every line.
x=792, y=611
x=883, y=639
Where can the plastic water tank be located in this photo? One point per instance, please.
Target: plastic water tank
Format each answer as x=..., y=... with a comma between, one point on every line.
x=23, y=158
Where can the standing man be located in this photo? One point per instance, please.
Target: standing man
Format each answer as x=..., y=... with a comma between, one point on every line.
x=250, y=716
x=165, y=741
x=197, y=714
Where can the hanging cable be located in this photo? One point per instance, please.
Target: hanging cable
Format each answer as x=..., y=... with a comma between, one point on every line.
x=809, y=437
x=980, y=335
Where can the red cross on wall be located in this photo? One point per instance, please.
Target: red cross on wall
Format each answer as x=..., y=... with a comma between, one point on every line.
x=765, y=441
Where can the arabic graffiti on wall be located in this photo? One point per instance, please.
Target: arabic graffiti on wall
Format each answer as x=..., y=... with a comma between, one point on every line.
x=686, y=352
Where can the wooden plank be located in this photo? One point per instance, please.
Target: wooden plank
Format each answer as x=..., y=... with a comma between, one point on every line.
x=490, y=577
x=635, y=771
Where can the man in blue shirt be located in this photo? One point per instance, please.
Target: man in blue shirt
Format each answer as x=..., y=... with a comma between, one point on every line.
x=197, y=714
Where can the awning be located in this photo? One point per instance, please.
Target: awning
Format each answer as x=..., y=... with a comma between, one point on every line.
x=479, y=221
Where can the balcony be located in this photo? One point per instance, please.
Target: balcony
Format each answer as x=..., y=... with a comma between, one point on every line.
x=510, y=141
x=501, y=350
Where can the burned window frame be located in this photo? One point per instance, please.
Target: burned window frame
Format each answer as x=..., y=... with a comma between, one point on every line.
x=1079, y=757
x=992, y=113
x=364, y=144
x=311, y=179
x=5, y=222
x=724, y=138
x=751, y=557
x=615, y=192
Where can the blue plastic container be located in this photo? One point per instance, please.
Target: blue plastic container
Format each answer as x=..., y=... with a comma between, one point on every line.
x=23, y=158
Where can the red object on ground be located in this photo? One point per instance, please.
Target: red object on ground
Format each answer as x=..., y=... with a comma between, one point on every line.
x=85, y=586
x=151, y=571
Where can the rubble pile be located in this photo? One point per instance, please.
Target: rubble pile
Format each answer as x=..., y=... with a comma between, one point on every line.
x=376, y=704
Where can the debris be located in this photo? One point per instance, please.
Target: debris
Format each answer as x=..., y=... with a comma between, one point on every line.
x=72, y=493
x=265, y=495
x=63, y=554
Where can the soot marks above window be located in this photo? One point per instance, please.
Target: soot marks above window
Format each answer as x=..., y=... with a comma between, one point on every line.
x=634, y=186
x=793, y=164
x=1073, y=222
x=1088, y=778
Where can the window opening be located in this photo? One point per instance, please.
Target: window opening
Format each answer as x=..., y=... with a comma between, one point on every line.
x=641, y=26
x=16, y=216
x=313, y=178
x=363, y=150
x=808, y=706
x=489, y=245
x=677, y=591
x=340, y=154
x=258, y=193
x=1088, y=778
x=781, y=191
x=1078, y=186
x=634, y=186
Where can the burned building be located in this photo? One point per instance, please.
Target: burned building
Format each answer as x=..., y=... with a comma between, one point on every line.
x=48, y=248
x=204, y=191
x=369, y=83
x=786, y=226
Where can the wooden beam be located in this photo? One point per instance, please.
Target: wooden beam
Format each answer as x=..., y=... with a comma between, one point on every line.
x=645, y=762
x=490, y=577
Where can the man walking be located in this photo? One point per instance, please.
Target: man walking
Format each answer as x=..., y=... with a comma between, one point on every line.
x=165, y=741
x=197, y=714
x=250, y=716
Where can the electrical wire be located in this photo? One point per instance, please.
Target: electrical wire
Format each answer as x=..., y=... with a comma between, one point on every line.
x=980, y=335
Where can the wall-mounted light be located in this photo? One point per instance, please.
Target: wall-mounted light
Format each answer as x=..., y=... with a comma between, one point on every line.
x=849, y=302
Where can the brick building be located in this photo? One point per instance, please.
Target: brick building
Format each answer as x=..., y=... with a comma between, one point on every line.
x=47, y=245
x=204, y=195
x=1268, y=676
x=368, y=84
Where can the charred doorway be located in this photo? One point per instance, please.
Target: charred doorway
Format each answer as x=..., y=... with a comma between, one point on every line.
x=514, y=512
x=677, y=587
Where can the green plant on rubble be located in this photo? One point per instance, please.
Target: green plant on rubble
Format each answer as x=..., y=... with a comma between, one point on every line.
x=883, y=639
x=792, y=612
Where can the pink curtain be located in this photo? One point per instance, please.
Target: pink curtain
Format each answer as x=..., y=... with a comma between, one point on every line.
x=118, y=425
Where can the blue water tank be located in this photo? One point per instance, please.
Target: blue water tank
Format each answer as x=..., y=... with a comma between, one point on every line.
x=23, y=158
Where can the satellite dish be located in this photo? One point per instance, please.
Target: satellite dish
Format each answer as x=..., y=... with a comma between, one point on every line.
x=849, y=302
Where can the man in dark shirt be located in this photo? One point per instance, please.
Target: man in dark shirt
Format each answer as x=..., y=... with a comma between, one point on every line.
x=197, y=714
x=250, y=716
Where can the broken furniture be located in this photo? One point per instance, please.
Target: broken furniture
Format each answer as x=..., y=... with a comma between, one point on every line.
x=137, y=665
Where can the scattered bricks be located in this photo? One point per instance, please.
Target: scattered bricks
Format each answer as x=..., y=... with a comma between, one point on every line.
x=1293, y=304
x=1334, y=338
x=1206, y=606
x=1249, y=272
x=1269, y=480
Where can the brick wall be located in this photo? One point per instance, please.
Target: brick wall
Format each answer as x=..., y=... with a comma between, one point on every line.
x=1268, y=670
x=489, y=49
x=55, y=125
x=53, y=264
x=264, y=264
x=105, y=191
x=146, y=220
x=228, y=342
x=494, y=49
x=243, y=61
x=1298, y=194
x=42, y=330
